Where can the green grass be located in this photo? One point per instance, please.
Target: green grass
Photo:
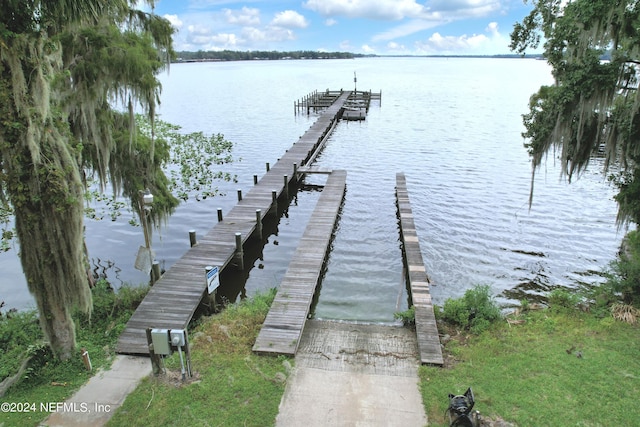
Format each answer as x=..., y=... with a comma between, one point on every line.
x=521, y=373
x=231, y=386
x=48, y=379
x=525, y=374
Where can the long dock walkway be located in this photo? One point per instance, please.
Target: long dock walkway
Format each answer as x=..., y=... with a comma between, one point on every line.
x=426, y=328
x=284, y=324
x=172, y=301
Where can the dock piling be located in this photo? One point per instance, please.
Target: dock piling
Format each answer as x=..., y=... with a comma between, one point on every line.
x=239, y=251
x=192, y=238
x=259, y=223
x=286, y=186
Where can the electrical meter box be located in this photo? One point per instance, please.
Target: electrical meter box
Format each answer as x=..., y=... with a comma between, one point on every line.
x=160, y=340
x=177, y=337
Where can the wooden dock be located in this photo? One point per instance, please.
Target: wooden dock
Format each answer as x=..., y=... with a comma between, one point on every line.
x=356, y=107
x=284, y=324
x=426, y=328
x=172, y=301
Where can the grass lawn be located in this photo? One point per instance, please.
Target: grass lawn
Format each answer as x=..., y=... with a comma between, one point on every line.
x=555, y=369
x=231, y=386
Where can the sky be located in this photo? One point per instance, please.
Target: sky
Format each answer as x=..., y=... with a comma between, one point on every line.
x=381, y=27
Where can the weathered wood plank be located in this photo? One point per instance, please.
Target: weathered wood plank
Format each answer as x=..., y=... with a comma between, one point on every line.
x=426, y=327
x=291, y=305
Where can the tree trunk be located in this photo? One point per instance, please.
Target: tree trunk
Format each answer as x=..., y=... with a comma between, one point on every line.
x=48, y=203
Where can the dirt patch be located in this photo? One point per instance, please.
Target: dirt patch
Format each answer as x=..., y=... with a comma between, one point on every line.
x=174, y=378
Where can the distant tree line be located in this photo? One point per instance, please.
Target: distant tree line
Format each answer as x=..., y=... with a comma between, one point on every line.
x=231, y=55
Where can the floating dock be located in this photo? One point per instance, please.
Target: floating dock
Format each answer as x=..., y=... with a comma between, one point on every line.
x=418, y=281
x=284, y=324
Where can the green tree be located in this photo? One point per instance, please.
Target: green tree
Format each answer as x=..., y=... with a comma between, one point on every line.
x=594, y=103
x=63, y=64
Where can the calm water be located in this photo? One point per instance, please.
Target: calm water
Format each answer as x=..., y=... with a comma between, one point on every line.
x=451, y=125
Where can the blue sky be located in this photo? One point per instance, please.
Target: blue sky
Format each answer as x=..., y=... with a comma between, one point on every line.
x=383, y=27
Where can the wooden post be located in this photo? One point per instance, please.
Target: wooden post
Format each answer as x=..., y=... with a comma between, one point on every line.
x=219, y=215
x=192, y=238
x=268, y=167
x=239, y=251
x=255, y=179
x=239, y=195
x=259, y=223
x=274, y=200
x=155, y=271
x=295, y=171
x=286, y=186
x=155, y=359
x=86, y=359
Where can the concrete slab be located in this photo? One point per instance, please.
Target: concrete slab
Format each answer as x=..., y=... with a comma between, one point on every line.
x=96, y=402
x=350, y=374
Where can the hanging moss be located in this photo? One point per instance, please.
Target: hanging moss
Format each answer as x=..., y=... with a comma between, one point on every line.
x=61, y=64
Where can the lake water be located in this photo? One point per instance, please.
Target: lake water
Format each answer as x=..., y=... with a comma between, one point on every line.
x=452, y=125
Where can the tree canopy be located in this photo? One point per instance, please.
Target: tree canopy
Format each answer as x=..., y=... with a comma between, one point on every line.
x=63, y=66
x=594, y=104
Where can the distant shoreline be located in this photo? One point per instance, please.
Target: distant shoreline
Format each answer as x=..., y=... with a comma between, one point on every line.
x=227, y=56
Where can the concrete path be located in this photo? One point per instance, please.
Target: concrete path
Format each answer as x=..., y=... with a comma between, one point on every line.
x=345, y=374
x=350, y=374
x=96, y=402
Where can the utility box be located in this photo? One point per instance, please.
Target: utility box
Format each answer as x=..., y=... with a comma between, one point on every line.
x=177, y=337
x=160, y=341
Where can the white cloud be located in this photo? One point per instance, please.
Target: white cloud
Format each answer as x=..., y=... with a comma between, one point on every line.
x=451, y=44
x=289, y=19
x=245, y=16
x=396, y=47
x=411, y=27
x=387, y=10
x=174, y=20
x=345, y=46
x=480, y=44
x=330, y=22
x=367, y=49
x=465, y=8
